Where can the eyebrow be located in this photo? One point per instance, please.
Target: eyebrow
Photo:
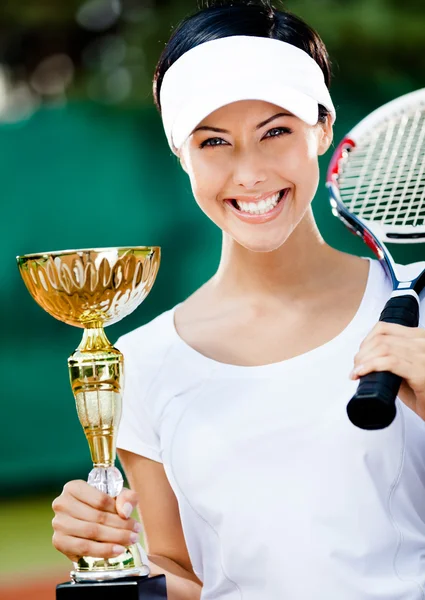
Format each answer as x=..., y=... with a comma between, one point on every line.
x=259, y=126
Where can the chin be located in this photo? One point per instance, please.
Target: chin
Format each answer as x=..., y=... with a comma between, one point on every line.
x=262, y=244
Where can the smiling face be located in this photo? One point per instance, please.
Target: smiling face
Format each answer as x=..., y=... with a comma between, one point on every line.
x=254, y=170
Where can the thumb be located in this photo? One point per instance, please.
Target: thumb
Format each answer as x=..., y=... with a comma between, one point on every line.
x=125, y=503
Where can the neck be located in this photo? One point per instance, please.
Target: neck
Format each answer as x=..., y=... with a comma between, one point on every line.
x=291, y=271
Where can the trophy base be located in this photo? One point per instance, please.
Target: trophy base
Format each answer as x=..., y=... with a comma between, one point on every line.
x=131, y=563
x=132, y=588
x=99, y=576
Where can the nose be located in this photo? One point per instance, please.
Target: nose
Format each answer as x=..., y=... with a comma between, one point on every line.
x=248, y=170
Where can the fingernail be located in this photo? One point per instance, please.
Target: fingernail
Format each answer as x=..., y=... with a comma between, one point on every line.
x=134, y=537
x=355, y=372
x=138, y=527
x=127, y=509
x=118, y=550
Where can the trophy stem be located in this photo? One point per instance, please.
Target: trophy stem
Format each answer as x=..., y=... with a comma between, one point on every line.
x=96, y=374
x=94, y=338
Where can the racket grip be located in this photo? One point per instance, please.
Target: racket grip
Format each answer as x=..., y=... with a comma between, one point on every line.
x=373, y=404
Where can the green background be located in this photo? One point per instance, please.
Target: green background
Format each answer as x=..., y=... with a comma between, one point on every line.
x=85, y=170
x=96, y=177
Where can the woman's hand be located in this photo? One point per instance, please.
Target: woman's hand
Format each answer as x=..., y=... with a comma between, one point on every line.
x=90, y=523
x=400, y=350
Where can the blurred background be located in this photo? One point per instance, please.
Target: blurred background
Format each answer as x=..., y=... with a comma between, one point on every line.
x=84, y=163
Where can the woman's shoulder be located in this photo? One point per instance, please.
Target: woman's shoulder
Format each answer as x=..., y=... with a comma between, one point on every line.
x=410, y=270
x=151, y=341
x=405, y=272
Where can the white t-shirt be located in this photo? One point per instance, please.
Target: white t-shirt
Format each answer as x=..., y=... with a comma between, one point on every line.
x=280, y=496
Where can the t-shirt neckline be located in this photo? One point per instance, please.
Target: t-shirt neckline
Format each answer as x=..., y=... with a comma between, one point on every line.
x=202, y=360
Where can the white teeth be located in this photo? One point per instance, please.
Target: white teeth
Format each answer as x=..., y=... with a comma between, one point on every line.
x=259, y=208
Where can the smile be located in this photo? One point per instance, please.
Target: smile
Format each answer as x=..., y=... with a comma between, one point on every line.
x=260, y=211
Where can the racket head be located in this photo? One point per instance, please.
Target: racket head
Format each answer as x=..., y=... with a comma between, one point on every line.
x=376, y=177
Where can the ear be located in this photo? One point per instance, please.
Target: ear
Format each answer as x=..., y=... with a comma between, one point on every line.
x=182, y=161
x=326, y=136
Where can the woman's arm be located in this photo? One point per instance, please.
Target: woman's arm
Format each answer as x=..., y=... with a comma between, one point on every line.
x=88, y=522
x=159, y=513
x=180, y=585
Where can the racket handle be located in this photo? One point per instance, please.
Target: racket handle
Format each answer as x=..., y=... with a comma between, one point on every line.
x=373, y=405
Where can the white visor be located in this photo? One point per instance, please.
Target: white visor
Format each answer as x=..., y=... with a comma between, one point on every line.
x=235, y=68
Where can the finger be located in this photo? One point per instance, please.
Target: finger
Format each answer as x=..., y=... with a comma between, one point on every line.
x=383, y=328
x=399, y=367
x=74, y=548
x=390, y=345
x=89, y=495
x=411, y=351
x=71, y=527
x=400, y=330
x=72, y=507
x=126, y=502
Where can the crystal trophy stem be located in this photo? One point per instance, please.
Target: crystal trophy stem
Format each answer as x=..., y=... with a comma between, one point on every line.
x=91, y=289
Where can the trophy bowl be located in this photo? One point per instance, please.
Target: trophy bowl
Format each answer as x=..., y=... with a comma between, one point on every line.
x=93, y=288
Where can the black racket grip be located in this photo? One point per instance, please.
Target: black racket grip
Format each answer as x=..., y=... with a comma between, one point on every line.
x=373, y=405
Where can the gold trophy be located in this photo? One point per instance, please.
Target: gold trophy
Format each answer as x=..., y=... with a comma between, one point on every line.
x=92, y=289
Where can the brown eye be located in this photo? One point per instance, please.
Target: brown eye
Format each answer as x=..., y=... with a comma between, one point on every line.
x=213, y=142
x=278, y=131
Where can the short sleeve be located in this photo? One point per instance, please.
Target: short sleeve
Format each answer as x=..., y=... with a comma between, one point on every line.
x=136, y=431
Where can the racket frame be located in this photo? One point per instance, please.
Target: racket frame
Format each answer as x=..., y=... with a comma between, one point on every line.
x=373, y=235
x=373, y=406
x=399, y=234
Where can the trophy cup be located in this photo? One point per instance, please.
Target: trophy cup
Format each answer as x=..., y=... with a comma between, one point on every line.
x=92, y=289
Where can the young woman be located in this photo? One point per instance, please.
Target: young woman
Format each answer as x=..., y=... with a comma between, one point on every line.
x=250, y=480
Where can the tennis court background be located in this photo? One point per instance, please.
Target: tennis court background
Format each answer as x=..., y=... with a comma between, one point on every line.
x=82, y=172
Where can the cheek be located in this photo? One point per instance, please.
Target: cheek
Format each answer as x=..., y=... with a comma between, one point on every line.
x=303, y=156
x=207, y=179
x=305, y=165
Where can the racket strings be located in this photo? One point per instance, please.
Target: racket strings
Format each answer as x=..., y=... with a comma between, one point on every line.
x=383, y=177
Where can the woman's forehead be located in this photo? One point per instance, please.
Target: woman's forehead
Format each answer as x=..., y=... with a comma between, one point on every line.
x=243, y=112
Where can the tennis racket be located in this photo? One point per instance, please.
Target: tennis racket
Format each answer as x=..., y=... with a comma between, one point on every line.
x=376, y=181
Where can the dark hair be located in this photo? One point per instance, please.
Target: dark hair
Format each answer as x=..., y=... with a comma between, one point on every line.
x=224, y=18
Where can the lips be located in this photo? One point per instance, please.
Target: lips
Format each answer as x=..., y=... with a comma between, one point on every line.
x=260, y=211
x=256, y=198
x=262, y=206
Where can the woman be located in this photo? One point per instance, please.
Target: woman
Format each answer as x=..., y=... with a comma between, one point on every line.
x=250, y=479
